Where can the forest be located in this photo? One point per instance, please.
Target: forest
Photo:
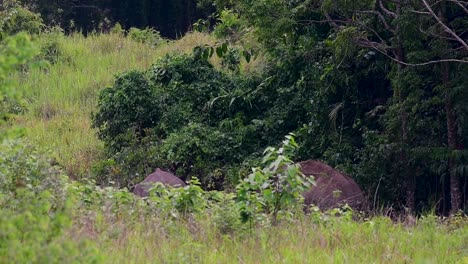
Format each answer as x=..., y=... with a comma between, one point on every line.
x=233, y=97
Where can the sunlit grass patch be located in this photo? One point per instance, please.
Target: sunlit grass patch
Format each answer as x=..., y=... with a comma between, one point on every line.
x=62, y=96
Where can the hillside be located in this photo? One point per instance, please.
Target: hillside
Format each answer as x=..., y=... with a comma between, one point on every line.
x=275, y=132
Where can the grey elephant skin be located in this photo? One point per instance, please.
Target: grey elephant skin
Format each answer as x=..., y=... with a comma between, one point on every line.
x=164, y=177
x=333, y=188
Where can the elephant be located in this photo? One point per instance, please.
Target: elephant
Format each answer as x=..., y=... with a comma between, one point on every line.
x=164, y=177
x=332, y=188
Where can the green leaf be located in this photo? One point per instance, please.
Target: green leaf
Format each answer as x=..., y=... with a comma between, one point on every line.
x=247, y=56
x=219, y=52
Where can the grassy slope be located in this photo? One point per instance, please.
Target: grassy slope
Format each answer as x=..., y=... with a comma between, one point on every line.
x=64, y=96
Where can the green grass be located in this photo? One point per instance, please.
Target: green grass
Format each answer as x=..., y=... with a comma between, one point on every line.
x=63, y=96
x=61, y=100
x=305, y=241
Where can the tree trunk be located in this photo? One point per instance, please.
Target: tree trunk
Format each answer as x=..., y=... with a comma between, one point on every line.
x=409, y=179
x=453, y=140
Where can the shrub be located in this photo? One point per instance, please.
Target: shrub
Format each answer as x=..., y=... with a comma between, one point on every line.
x=126, y=110
x=163, y=117
x=33, y=229
x=15, y=52
x=225, y=212
x=14, y=19
x=199, y=150
x=36, y=210
x=130, y=164
x=229, y=24
x=231, y=60
x=148, y=36
x=51, y=47
x=24, y=167
x=277, y=188
x=117, y=30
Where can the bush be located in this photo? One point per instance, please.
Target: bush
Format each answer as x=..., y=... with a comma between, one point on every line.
x=276, y=189
x=51, y=47
x=199, y=150
x=225, y=212
x=36, y=210
x=231, y=60
x=126, y=110
x=24, y=167
x=147, y=36
x=117, y=30
x=163, y=117
x=130, y=164
x=229, y=24
x=33, y=229
x=14, y=19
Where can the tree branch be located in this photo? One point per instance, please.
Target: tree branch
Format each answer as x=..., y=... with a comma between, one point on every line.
x=445, y=27
x=372, y=45
x=381, y=18
x=460, y=4
x=386, y=11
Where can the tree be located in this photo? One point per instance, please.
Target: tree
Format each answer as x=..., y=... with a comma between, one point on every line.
x=396, y=33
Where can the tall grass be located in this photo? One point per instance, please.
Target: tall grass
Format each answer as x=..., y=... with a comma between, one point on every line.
x=305, y=241
x=63, y=96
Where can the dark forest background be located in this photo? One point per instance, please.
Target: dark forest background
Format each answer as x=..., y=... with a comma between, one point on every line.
x=171, y=18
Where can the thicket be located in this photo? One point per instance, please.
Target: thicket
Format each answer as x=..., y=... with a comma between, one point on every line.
x=386, y=88
x=171, y=116
x=370, y=93
x=197, y=120
x=171, y=18
x=81, y=222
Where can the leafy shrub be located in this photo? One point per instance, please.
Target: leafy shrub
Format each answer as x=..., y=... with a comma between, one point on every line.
x=199, y=150
x=50, y=44
x=148, y=35
x=24, y=167
x=163, y=117
x=15, y=52
x=33, y=230
x=14, y=19
x=117, y=30
x=36, y=210
x=229, y=24
x=277, y=188
x=126, y=110
x=225, y=212
x=231, y=60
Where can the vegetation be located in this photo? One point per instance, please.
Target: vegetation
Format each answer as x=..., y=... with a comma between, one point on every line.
x=348, y=101
x=80, y=222
x=89, y=107
x=61, y=98
x=171, y=18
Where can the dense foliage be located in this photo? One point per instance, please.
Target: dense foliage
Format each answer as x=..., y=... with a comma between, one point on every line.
x=384, y=80
x=375, y=89
x=171, y=18
x=169, y=116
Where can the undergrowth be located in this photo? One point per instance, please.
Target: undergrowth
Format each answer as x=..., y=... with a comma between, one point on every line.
x=61, y=96
x=47, y=218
